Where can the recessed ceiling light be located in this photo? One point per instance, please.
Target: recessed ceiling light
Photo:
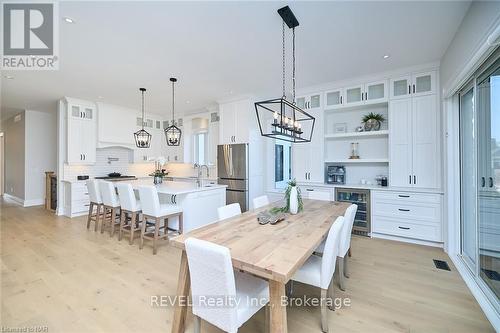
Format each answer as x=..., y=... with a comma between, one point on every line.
x=230, y=92
x=187, y=102
x=386, y=56
x=69, y=20
x=100, y=97
x=9, y=77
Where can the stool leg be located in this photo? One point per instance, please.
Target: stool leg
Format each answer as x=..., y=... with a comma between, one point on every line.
x=113, y=219
x=155, y=238
x=132, y=228
x=181, y=223
x=91, y=210
x=105, y=212
x=143, y=230
x=123, y=218
x=98, y=217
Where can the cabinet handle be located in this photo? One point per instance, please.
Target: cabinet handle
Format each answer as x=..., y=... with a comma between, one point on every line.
x=309, y=175
x=483, y=182
x=310, y=189
x=403, y=196
x=409, y=89
x=366, y=96
x=403, y=210
x=340, y=99
x=410, y=179
x=414, y=179
x=491, y=181
x=404, y=228
x=413, y=88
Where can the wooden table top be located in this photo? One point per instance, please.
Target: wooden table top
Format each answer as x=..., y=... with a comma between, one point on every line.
x=273, y=252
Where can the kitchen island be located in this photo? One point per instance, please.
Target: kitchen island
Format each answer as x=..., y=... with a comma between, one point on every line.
x=199, y=203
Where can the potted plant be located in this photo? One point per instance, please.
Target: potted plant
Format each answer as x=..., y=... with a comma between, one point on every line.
x=159, y=173
x=293, y=199
x=373, y=121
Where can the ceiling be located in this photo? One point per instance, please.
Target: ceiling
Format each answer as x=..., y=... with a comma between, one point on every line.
x=224, y=49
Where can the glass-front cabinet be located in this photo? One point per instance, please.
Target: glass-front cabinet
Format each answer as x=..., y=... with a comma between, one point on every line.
x=309, y=102
x=376, y=92
x=418, y=84
x=334, y=98
x=354, y=95
x=400, y=87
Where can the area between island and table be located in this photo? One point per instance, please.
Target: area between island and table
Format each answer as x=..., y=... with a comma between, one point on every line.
x=199, y=203
x=272, y=252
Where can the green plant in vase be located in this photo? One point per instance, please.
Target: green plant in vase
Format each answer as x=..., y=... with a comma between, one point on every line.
x=293, y=200
x=373, y=121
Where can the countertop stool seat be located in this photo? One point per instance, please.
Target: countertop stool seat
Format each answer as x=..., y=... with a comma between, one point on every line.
x=130, y=211
x=95, y=202
x=158, y=213
x=111, y=207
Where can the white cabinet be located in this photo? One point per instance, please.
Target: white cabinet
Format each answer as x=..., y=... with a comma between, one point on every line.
x=417, y=84
x=306, y=102
x=414, y=142
x=236, y=119
x=407, y=214
x=361, y=94
x=76, y=199
x=316, y=192
x=81, y=133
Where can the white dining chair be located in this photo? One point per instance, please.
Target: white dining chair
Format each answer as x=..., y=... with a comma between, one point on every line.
x=153, y=211
x=111, y=205
x=318, y=271
x=228, y=211
x=95, y=202
x=261, y=201
x=130, y=208
x=211, y=273
x=345, y=244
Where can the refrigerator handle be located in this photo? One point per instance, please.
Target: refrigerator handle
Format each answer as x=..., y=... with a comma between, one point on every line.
x=231, y=171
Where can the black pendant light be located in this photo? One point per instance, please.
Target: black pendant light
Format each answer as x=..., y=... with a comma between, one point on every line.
x=173, y=133
x=279, y=118
x=142, y=138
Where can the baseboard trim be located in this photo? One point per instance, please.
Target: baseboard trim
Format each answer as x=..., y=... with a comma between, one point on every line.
x=488, y=308
x=17, y=200
x=407, y=240
x=33, y=202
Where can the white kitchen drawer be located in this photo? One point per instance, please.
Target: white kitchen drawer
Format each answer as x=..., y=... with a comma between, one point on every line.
x=407, y=229
x=390, y=196
x=317, y=193
x=424, y=212
x=80, y=206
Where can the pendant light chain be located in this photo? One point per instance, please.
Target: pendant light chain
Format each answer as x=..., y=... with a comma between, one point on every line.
x=283, y=62
x=142, y=123
x=293, y=61
x=173, y=103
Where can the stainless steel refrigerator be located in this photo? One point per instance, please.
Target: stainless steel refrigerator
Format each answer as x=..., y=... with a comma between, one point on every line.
x=232, y=170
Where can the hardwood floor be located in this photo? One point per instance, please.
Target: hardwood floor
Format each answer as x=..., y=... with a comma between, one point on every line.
x=58, y=274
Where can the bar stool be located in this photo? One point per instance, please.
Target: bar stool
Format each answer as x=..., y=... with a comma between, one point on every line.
x=129, y=206
x=111, y=205
x=95, y=202
x=153, y=210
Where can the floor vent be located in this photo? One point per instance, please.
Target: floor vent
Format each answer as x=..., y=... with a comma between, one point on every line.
x=441, y=264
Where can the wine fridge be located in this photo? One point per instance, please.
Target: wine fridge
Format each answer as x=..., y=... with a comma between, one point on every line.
x=361, y=198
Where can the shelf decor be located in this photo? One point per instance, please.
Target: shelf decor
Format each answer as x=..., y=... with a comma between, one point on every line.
x=279, y=118
x=372, y=121
x=173, y=133
x=142, y=137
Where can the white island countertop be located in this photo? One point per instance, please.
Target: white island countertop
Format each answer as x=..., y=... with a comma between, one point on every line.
x=172, y=187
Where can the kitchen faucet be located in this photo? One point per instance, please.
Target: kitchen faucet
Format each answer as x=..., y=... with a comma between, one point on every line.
x=200, y=168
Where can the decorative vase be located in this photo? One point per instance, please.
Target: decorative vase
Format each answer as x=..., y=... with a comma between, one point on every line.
x=294, y=200
x=372, y=125
x=157, y=180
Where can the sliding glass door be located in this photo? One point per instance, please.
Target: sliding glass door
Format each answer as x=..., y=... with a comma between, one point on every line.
x=480, y=176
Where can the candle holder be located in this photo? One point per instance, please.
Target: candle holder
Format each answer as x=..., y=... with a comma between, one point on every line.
x=354, y=151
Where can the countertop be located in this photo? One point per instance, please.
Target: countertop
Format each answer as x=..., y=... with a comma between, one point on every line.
x=172, y=187
x=374, y=187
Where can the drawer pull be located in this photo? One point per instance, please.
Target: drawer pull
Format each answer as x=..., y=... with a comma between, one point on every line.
x=404, y=228
x=403, y=210
x=403, y=196
x=87, y=205
x=309, y=189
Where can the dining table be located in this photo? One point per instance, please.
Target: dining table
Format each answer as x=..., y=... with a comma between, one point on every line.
x=272, y=252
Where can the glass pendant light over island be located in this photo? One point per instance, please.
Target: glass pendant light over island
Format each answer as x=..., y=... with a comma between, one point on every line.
x=279, y=118
x=142, y=138
x=173, y=133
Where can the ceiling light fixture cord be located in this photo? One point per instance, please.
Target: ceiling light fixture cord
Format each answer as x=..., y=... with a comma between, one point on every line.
x=173, y=103
x=284, y=92
x=293, y=68
x=142, y=108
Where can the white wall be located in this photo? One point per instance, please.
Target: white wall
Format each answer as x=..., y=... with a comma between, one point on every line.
x=14, y=142
x=479, y=21
x=40, y=153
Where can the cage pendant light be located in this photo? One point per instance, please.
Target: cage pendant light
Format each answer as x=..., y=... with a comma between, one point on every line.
x=279, y=118
x=173, y=133
x=142, y=138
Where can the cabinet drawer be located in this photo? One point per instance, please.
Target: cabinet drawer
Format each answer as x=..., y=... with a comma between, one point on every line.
x=80, y=206
x=416, y=211
x=406, y=229
x=317, y=193
x=390, y=196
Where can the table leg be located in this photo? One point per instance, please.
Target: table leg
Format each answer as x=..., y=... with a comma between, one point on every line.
x=183, y=286
x=278, y=312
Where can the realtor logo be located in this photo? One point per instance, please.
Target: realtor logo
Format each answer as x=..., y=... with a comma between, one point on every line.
x=30, y=33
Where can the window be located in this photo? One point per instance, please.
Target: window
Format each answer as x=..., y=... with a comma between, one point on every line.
x=282, y=163
x=200, y=148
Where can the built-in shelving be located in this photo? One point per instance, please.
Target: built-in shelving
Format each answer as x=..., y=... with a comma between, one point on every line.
x=360, y=160
x=357, y=134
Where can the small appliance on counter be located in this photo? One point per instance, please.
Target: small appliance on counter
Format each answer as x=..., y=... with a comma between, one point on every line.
x=381, y=180
x=334, y=174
